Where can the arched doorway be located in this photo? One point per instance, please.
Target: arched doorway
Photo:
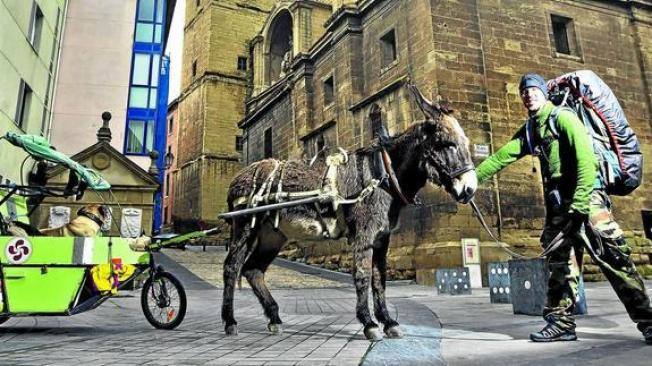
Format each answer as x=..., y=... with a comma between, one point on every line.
x=280, y=44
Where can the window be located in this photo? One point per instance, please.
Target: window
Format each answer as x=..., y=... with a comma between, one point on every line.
x=563, y=35
x=320, y=143
x=35, y=27
x=268, y=143
x=147, y=67
x=238, y=143
x=149, y=25
x=23, y=105
x=170, y=125
x=194, y=68
x=388, y=48
x=140, y=137
x=167, y=184
x=242, y=63
x=144, y=80
x=328, y=91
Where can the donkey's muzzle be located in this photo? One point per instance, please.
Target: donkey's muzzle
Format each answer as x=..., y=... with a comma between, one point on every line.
x=464, y=186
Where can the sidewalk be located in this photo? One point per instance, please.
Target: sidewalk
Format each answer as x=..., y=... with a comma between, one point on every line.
x=319, y=329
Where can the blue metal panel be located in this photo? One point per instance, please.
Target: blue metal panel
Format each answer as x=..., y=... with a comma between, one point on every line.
x=160, y=140
x=158, y=114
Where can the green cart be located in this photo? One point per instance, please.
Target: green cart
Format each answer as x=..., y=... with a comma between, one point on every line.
x=54, y=276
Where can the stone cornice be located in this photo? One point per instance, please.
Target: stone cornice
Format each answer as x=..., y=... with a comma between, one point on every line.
x=377, y=95
x=308, y=4
x=316, y=131
x=267, y=99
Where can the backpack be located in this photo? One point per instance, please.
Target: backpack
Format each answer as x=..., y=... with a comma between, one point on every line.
x=614, y=142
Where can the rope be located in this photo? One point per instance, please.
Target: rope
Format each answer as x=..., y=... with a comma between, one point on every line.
x=501, y=245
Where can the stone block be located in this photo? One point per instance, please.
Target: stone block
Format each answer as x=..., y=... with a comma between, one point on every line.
x=499, y=283
x=529, y=287
x=453, y=281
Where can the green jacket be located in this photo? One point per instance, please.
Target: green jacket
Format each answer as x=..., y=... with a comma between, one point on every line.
x=575, y=176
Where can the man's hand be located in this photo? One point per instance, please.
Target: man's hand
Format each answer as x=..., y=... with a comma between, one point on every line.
x=574, y=221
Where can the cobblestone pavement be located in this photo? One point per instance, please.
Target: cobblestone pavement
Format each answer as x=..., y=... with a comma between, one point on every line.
x=320, y=329
x=208, y=266
x=317, y=332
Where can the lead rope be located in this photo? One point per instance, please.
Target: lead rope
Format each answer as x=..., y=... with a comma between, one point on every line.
x=554, y=244
x=503, y=246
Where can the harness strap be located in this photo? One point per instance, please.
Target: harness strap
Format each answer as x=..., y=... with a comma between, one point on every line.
x=393, y=181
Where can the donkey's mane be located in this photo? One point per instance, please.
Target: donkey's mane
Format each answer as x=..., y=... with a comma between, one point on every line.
x=411, y=135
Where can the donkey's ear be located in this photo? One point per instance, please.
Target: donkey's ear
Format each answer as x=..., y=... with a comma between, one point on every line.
x=428, y=108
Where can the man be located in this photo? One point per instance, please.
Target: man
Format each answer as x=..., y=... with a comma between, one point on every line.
x=575, y=196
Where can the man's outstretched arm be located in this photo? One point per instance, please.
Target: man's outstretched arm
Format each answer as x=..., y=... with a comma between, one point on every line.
x=509, y=153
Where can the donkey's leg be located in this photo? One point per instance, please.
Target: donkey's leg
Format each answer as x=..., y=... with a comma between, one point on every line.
x=391, y=327
x=242, y=238
x=270, y=242
x=362, y=257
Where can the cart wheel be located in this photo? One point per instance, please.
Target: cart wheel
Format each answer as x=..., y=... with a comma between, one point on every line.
x=163, y=300
x=3, y=319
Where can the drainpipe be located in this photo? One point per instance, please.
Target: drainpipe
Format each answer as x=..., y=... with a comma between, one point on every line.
x=55, y=78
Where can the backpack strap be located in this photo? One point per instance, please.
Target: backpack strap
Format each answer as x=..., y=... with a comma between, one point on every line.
x=529, y=136
x=552, y=119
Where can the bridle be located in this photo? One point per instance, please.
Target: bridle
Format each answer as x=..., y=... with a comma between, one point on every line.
x=448, y=174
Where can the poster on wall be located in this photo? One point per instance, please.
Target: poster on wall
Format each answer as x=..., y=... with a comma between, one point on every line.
x=471, y=260
x=471, y=250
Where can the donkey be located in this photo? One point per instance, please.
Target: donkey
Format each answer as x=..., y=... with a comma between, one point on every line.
x=435, y=150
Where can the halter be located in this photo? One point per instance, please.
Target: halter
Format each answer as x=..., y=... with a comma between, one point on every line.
x=448, y=174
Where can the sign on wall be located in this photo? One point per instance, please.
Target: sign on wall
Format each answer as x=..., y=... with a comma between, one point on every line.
x=471, y=260
x=106, y=225
x=59, y=216
x=131, y=223
x=471, y=251
x=480, y=150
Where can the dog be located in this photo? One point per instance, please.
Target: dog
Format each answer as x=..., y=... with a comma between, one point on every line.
x=88, y=223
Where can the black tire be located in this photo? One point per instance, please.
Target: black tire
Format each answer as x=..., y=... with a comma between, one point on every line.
x=161, y=307
x=3, y=319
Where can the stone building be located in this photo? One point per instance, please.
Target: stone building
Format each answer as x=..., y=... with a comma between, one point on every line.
x=171, y=163
x=215, y=73
x=318, y=66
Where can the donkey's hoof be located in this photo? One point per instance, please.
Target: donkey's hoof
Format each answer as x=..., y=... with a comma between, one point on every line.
x=275, y=328
x=394, y=332
x=231, y=330
x=373, y=334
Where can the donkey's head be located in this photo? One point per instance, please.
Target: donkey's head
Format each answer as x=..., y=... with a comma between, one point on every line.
x=444, y=152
